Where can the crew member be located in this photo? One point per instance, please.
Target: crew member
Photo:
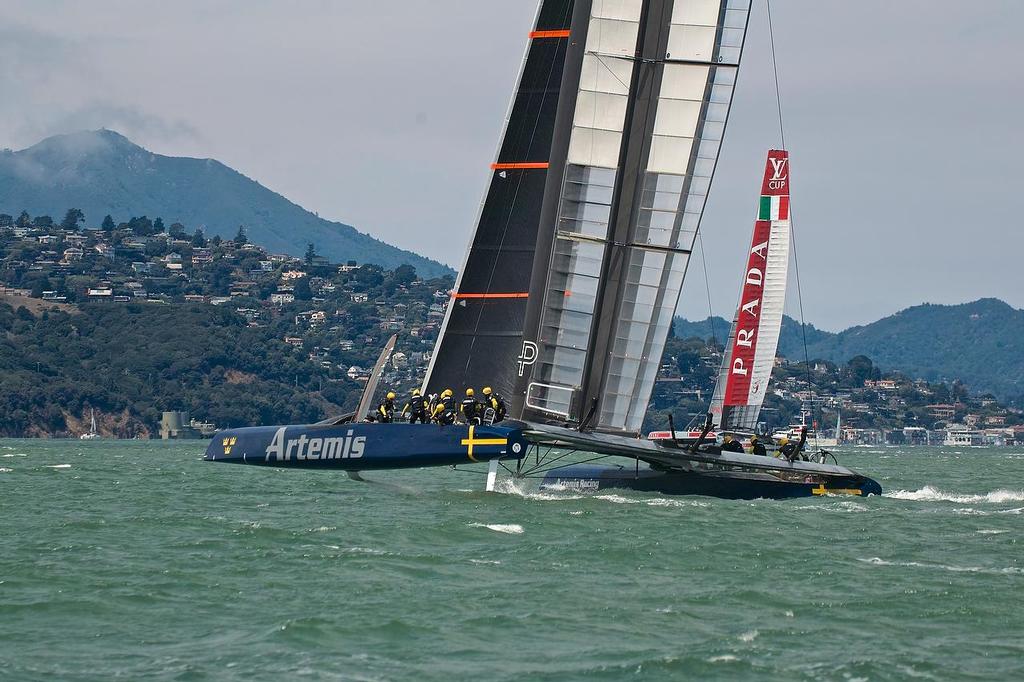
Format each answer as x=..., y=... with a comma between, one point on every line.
x=416, y=408
x=386, y=410
x=494, y=401
x=442, y=413
x=470, y=408
x=757, y=447
x=786, y=449
x=730, y=444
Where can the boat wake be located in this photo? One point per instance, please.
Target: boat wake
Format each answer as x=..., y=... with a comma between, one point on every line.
x=930, y=494
x=507, y=528
x=1010, y=570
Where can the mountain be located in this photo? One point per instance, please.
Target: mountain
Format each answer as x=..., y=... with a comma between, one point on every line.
x=102, y=172
x=980, y=343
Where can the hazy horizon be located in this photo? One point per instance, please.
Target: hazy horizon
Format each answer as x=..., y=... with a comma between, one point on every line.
x=903, y=133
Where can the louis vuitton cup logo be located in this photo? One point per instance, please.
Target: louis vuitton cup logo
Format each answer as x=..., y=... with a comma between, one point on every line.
x=780, y=173
x=528, y=356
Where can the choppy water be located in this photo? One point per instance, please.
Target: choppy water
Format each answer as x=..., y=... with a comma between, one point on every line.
x=139, y=561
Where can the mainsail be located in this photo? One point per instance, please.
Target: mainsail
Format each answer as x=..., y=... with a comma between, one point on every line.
x=483, y=327
x=754, y=339
x=567, y=295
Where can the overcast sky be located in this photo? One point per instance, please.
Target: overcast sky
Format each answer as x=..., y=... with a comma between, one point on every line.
x=903, y=120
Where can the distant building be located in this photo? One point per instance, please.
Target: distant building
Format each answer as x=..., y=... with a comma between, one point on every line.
x=177, y=426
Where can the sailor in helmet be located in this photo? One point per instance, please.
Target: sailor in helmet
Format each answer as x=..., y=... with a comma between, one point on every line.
x=471, y=410
x=730, y=444
x=786, y=449
x=416, y=408
x=386, y=410
x=493, y=400
x=442, y=412
x=757, y=447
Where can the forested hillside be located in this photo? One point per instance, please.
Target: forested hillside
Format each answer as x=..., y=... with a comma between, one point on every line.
x=103, y=173
x=980, y=343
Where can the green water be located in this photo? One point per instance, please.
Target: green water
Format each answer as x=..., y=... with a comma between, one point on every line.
x=136, y=560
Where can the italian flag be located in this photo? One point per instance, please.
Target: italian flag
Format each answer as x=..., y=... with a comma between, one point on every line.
x=774, y=208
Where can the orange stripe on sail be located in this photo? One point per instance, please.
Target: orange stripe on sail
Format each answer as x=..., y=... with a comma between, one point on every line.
x=531, y=165
x=517, y=294
x=550, y=34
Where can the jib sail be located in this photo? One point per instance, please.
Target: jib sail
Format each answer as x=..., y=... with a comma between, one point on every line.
x=754, y=339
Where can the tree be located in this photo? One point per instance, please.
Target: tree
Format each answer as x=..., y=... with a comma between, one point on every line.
x=71, y=219
x=108, y=224
x=240, y=237
x=44, y=221
x=198, y=239
x=24, y=220
x=6, y=220
x=302, y=290
x=310, y=253
x=177, y=230
x=216, y=240
x=158, y=225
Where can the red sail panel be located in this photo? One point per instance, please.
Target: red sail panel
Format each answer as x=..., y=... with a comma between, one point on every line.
x=748, y=319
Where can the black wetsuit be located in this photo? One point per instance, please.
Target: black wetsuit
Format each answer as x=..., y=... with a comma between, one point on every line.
x=732, y=446
x=443, y=411
x=495, y=402
x=759, y=449
x=386, y=411
x=470, y=410
x=417, y=409
x=788, y=451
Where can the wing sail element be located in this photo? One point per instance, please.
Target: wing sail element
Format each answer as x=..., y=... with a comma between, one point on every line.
x=651, y=108
x=482, y=331
x=754, y=339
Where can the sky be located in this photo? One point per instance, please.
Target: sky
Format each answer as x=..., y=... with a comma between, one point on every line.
x=903, y=120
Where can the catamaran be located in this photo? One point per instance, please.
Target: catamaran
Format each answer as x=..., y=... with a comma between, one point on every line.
x=566, y=296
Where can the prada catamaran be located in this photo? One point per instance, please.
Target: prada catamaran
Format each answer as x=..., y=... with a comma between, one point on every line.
x=566, y=296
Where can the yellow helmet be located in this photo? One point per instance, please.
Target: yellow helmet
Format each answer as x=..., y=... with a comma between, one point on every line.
x=728, y=438
x=415, y=391
x=753, y=439
x=487, y=390
x=391, y=396
x=783, y=441
x=469, y=393
x=446, y=392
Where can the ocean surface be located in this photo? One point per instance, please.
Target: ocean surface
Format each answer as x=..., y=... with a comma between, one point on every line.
x=138, y=561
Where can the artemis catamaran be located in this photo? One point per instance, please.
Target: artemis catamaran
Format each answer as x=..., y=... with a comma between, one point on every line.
x=566, y=297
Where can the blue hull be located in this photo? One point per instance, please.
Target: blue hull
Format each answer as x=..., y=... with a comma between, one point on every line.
x=366, y=447
x=723, y=484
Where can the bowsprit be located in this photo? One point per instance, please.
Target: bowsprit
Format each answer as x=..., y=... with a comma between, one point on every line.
x=367, y=447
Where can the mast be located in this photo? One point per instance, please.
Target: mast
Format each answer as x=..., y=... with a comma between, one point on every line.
x=650, y=113
x=753, y=341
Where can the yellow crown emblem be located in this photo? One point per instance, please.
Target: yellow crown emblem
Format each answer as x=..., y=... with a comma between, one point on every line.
x=228, y=443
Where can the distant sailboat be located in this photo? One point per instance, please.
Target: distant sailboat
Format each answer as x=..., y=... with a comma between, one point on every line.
x=92, y=435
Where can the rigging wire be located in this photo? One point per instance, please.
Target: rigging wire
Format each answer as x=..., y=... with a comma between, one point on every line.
x=792, y=221
x=707, y=285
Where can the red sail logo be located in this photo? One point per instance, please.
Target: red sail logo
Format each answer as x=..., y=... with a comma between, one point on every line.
x=748, y=318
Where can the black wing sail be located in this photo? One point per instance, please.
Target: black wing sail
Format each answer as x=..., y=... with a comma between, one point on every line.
x=482, y=331
x=653, y=100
